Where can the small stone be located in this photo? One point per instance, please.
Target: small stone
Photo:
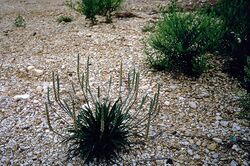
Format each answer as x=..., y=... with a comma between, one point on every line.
x=218, y=117
x=192, y=104
x=197, y=157
x=21, y=97
x=29, y=68
x=204, y=94
x=212, y=146
x=224, y=123
x=35, y=101
x=39, y=89
x=79, y=94
x=88, y=35
x=195, y=147
x=218, y=114
x=38, y=72
x=204, y=144
x=185, y=143
x=173, y=87
x=218, y=140
x=235, y=127
x=233, y=163
x=198, y=143
x=236, y=148
x=215, y=156
x=245, y=163
x=167, y=103
x=190, y=152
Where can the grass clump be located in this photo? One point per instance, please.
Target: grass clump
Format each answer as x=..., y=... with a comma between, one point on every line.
x=20, y=21
x=181, y=41
x=103, y=125
x=108, y=7
x=65, y=19
x=236, y=41
x=92, y=8
x=149, y=27
x=101, y=133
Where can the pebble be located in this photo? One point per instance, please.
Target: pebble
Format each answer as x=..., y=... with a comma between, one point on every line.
x=197, y=157
x=190, y=152
x=215, y=156
x=173, y=87
x=39, y=89
x=212, y=146
x=21, y=97
x=218, y=117
x=235, y=127
x=198, y=143
x=233, y=163
x=167, y=103
x=224, y=123
x=88, y=35
x=192, y=105
x=35, y=101
x=38, y=72
x=245, y=163
x=29, y=68
x=236, y=148
x=218, y=140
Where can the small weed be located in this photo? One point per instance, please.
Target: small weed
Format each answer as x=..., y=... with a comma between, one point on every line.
x=19, y=21
x=148, y=27
x=65, y=19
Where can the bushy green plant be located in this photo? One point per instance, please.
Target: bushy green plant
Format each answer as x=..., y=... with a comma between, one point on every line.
x=245, y=104
x=91, y=8
x=101, y=133
x=235, y=46
x=20, y=21
x=182, y=39
x=102, y=127
x=109, y=6
x=64, y=19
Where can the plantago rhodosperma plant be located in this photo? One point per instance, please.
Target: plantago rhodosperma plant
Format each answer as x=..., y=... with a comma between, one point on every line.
x=102, y=127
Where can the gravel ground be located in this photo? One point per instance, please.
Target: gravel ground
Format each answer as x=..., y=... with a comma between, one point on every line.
x=196, y=118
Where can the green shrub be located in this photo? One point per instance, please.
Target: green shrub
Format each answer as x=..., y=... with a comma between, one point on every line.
x=91, y=8
x=101, y=128
x=181, y=41
x=109, y=6
x=64, y=19
x=19, y=21
x=245, y=104
x=235, y=46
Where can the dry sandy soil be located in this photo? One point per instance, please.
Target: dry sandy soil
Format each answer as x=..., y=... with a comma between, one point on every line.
x=196, y=118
